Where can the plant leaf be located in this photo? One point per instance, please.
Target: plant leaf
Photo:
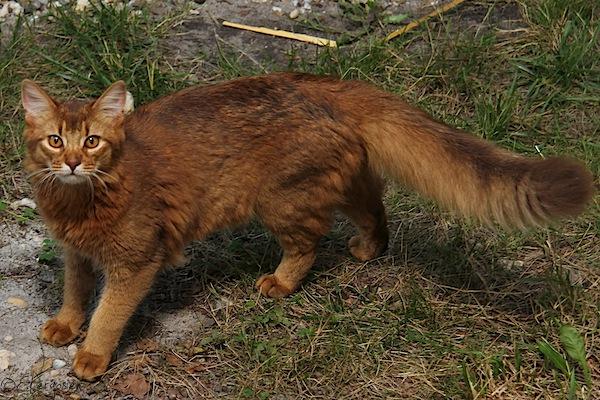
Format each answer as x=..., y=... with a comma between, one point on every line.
x=553, y=356
x=574, y=345
x=395, y=19
x=572, y=390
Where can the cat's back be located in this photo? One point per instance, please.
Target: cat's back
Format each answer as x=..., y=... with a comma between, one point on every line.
x=276, y=113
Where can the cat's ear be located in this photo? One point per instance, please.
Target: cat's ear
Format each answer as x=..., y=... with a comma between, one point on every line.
x=36, y=101
x=112, y=103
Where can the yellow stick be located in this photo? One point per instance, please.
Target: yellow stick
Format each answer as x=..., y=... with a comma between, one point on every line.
x=290, y=35
x=419, y=21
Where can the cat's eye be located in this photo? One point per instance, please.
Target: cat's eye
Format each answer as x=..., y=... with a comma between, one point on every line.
x=92, y=141
x=55, y=141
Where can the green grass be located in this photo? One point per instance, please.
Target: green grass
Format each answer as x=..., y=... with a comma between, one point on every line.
x=106, y=45
x=453, y=310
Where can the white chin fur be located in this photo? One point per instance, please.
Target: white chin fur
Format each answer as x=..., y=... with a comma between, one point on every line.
x=72, y=178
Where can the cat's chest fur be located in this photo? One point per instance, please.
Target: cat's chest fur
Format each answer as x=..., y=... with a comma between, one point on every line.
x=103, y=233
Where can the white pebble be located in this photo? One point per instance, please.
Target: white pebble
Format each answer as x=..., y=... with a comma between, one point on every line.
x=15, y=7
x=72, y=350
x=82, y=5
x=294, y=14
x=3, y=11
x=58, y=364
x=8, y=338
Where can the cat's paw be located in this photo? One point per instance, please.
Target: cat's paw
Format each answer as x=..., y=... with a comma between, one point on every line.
x=89, y=366
x=269, y=286
x=365, y=250
x=56, y=333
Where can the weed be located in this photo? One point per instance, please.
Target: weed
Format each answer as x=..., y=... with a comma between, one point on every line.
x=49, y=252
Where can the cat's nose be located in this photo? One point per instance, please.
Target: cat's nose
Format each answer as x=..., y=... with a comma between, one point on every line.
x=73, y=163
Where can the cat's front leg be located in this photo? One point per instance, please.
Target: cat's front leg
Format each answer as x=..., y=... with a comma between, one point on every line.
x=79, y=283
x=125, y=288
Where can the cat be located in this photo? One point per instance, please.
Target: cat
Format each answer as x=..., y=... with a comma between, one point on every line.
x=123, y=194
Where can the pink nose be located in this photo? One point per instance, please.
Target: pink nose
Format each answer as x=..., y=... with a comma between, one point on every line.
x=73, y=163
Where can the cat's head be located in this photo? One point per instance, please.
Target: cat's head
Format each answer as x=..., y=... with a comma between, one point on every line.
x=73, y=140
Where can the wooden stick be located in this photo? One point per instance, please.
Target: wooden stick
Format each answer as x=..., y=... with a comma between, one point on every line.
x=290, y=35
x=419, y=21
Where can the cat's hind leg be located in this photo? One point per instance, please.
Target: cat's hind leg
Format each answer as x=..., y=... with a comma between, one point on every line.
x=298, y=235
x=364, y=207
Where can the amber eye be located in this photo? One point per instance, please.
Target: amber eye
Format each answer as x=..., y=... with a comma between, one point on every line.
x=92, y=141
x=55, y=141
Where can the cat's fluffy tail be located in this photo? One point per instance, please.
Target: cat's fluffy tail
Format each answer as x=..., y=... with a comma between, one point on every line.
x=471, y=176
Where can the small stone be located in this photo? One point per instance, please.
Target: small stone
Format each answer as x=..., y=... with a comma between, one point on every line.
x=294, y=14
x=277, y=10
x=6, y=359
x=72, y=350
x=82, y=5
x=58, y=364
x=15, y=7
x=17, y=302
x=46, y=276
x=8, y=338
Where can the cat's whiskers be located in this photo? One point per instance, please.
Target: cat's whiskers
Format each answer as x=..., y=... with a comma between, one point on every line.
x=106, y=174
x=48, y=176
x=38, y=172
x=93, y=174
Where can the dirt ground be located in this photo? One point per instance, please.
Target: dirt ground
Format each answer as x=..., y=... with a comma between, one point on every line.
x=30, y=290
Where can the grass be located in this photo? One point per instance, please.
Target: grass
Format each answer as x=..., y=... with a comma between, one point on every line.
x=453, y=310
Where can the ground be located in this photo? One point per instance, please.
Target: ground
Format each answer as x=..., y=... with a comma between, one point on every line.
x=452, y=310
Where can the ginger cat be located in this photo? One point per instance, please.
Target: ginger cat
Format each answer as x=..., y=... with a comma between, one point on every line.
x=123, y=194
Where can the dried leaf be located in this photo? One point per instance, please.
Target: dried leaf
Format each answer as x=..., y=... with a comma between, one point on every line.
x=173, y=360
x=42, y=365
x=134, y=384
x=147, y=345
x=194, y=367
x=6, y=358
x=17, y=302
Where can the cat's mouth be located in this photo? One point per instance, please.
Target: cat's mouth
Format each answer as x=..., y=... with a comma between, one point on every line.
x=67, y=175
